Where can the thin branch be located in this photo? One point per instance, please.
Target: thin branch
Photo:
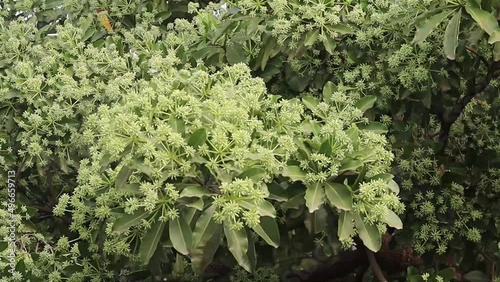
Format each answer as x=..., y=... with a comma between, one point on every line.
x=375, y=267
x=475, y=52
x=447, y=120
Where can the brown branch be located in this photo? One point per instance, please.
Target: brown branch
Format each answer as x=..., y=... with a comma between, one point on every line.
x=447, y=120
x=48, y=210
x=475, y=52
x=375, y=267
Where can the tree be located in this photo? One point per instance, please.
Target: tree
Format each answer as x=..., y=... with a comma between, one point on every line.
x=170, y=138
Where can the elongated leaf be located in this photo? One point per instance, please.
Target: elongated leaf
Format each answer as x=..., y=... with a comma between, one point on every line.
x=496, y=52
x=368, y=233
x=310, y=102
x=393, y=220
x=264, y=208
x=180, y=235
x=483, y=18
x=294, y=202
x=204, y=228
x=328, y=91
x=393, y=186
x=348, y=165
x=150, y=241
x=341, y=28
x=315, y=196
x=267, y=50
x=203, y=255
x=195, y=191
x=374, y=126
x=311, y=37
x=366, y=103
x=267, y=229
x=251, y=253
x=123, y=176
x=128, y=220
x=339, y=195
x=198, y=138
x=330, y=45
x=495, y=37
x=254, y=173
x=132, y=188
x=451, y=36
x=429, y=25
x=237, y=243
x=316, y=222
x=235, y=54
x=294, y=173
x=345, y=227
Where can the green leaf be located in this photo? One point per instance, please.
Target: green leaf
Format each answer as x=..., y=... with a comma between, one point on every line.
x=268, y=230
x=342, y=28
x=317, y=221
x=177, y=125
x=51, y=4
x=330, y=45
x=128, y=220
x=310, y=102
x=264, y=208
x=237, y=243
x=132, y=188
x=254, y=173
x=393, y=220
x=328, y=91
x=368, y=233
x=495, y=37
x=394, y=186
x=198, y=138
x=294, y=173
x=203, y=255
x=311, y=37
x=315, y=196
x=476, y=276
x=484, y=19
x=350, y=165
x=374, y=126
x=496, y=52
x=3, y=246
x=339, y=195
x=424, y=30
x=251, y=253
x=235, y=53
x=204, y=228
x=180, y=235
x=277, y=193
x=150, y=241
x=326, y=147
x=366, y=103
x=345, y=225
x=447, y=274
x=451, y=36
x=123, y=176
x=294, y=202
x=267, y=50
x=195, y=191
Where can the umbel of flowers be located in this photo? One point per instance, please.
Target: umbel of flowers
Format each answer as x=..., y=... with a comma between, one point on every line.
x=194, y=160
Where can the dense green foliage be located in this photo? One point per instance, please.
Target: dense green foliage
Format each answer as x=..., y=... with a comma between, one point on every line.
x=182, y=136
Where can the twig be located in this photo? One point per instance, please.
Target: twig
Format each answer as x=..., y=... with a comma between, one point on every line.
x=475, y=52
x=447, y=120
x=375, y=267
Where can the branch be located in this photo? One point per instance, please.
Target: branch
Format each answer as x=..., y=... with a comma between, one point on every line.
x=48, y=210
x=375, y=267
x=447, y=120
x=475, y=52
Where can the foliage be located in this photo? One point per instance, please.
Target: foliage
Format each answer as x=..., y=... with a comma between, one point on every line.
x=139, y=125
